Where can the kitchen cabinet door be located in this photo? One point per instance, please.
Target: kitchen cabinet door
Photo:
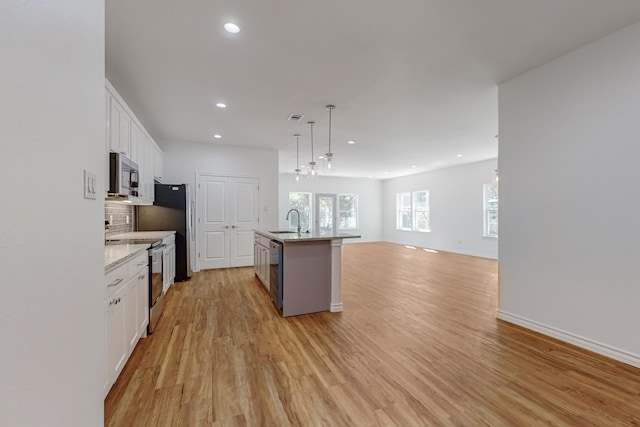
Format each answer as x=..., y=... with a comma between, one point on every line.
x=130, y=316
x=117, y=351
x=158, y=164
x=120, y=128
x=142, y=301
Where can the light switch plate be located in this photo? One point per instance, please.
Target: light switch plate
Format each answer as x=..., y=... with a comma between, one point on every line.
x=90, y=186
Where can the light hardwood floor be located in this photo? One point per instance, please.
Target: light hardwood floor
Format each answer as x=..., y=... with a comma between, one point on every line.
x=418, y=344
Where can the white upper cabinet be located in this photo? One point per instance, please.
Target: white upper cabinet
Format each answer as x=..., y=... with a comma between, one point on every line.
x=125, y=134
x=158, y=159
x=120, y=130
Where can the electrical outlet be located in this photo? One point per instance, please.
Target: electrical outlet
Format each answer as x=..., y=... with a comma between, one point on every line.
x=110, y=219
x=127, y=219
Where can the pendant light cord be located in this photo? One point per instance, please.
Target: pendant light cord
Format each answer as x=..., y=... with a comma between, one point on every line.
x=311, y=124
x=330, y=107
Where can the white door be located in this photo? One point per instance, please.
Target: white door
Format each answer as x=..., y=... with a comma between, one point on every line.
x=227, y=216
x=326, y=216
x=244, y=219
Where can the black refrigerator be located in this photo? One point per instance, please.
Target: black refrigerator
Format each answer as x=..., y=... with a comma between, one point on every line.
x=172, y=210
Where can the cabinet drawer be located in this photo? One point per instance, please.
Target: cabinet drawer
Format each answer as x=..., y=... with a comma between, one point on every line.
x=138, y=263
x=264, y=241
x=115, y=279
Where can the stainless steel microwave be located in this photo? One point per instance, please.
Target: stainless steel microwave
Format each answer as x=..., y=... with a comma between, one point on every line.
x=123, y=176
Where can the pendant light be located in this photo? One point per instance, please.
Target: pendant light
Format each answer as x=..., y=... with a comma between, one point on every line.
x=296, y=171
x=328, y=157
x=312, y=172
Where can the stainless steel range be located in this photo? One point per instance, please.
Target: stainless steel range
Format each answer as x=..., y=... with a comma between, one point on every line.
x=156, y=294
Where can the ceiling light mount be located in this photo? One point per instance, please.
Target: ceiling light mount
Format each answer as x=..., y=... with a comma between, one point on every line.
x=232, y=28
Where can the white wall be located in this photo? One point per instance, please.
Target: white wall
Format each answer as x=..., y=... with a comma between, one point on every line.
x=456, y=203
x=182, y=160
x=52, y=240
x=369, y=193
x=570, y=197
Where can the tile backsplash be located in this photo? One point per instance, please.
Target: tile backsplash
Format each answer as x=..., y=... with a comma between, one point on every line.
x=118, y=213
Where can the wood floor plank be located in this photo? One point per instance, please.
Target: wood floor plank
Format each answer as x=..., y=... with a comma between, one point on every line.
x=418, y=344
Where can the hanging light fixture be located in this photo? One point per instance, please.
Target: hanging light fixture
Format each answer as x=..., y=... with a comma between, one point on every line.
x=296, y=171
x=312, y=172
x=328, y=157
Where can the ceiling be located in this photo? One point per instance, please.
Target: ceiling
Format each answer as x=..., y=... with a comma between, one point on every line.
x=414, y=82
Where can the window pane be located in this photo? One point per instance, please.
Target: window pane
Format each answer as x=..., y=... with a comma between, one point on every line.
x=301, y=202
x=403, y=211
x=348, y=211
x=421, y=210
x=491, y=201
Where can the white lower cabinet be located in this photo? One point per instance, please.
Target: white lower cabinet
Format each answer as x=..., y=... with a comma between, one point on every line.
x=126, y=314
x=142, y=302
x=261, y=258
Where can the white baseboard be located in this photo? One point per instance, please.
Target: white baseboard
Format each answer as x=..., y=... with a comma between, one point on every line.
x=336, y=308
x=596, y=347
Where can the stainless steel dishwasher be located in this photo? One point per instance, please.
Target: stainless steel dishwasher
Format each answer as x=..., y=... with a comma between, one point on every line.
x=275, y=273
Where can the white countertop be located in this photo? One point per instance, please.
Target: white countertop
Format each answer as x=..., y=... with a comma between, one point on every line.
x=292, y=237
x=159, y=235
x=115, y=255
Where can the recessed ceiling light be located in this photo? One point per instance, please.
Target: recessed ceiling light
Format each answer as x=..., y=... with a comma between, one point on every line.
x=414, y=166
x=459, y=155
x=217, y=136
x=386, y=173
x=351, y=141
x=231, y=27
x=221, y=105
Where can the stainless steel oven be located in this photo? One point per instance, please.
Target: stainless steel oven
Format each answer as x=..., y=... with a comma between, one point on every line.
x=156, y=293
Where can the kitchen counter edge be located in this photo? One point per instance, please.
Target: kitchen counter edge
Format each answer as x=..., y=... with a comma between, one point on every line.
x=294, y=237
x=116, y=255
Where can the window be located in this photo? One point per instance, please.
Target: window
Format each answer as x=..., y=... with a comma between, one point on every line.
x=421, y=211
x=490, y=210
x=301, y=202
x=347, y=211
x=412, y=211
x=403, y=208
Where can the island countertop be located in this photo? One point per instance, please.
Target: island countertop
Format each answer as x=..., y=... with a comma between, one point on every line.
x=293, y=237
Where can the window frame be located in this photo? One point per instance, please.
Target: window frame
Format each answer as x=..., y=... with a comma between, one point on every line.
x=409, y=211
x=354, y=209
x=307, y=211
x=490, y=212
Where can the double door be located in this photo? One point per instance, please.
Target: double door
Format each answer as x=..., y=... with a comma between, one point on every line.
x=227, y=215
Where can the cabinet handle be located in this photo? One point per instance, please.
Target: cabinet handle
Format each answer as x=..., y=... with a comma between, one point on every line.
x=115, y=283
x=226, y=226
x=233, y=226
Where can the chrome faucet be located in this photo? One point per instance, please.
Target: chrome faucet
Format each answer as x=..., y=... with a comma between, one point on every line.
x=296, y=211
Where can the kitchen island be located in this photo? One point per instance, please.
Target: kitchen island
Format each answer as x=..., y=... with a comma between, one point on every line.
x=310, y=267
